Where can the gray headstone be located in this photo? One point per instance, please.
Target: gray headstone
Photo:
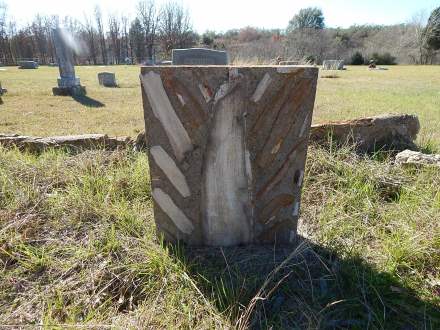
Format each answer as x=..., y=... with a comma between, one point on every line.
x=64, y=59
x=333, y=65
x=199, y=56
x=2, y=90
x=28, y=64
x=289, y=63
x=107, y=79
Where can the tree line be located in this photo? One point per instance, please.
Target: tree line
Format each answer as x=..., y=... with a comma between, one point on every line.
x=307, y=39
x=114, y=39
x=154, y=31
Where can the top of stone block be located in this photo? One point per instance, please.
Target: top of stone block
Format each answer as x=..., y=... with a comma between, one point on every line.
x=277, y=67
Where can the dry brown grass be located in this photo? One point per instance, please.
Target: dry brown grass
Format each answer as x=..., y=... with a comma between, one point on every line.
x=77, y=241
x=77, y=247
x=31, y=109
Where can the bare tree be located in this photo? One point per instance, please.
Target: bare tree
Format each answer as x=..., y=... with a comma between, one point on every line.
x=91, y=37
x=125, y=37
x=170, y=27
x=40, y=38
x=175, y=27
x=115, y=37
x=4, y=43
x=137, y=41
x=310, y=45
x=50, y=23
x=420, y=38
x=148, y=17
x=101, y=34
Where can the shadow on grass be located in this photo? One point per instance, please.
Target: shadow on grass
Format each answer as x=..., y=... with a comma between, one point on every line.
x=88, y=101
x=310, y=288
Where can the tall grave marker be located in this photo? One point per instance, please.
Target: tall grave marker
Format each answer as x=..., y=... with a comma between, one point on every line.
x=68, y=83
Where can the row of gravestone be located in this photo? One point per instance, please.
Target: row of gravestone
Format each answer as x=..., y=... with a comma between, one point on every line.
x=192, y=56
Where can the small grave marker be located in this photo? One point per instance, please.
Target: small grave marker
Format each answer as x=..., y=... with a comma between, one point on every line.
x=107, y=79
x=28, y=65
x=333, y=65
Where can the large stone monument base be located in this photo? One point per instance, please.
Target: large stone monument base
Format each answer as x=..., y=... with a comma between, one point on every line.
x=227, y=149
x=69, y=87
x=69, y=91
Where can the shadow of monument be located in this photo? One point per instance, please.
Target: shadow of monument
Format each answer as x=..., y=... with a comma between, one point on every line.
x=301, y=287
x=88, y=101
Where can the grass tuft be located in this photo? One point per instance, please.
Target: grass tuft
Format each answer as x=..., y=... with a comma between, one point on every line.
x=78, y=247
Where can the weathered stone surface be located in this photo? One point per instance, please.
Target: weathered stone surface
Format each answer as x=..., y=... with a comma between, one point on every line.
x=385, y=132
x=282, y=63
x=73, y=142
x=333, y=65
x=107, y=79
x=68, y=83
x=199, y=56
x=27, y=65
x=409, y=157
x=227, y=148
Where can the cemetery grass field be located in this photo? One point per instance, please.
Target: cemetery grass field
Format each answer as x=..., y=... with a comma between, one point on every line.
x=31, y=109
x=77, y=241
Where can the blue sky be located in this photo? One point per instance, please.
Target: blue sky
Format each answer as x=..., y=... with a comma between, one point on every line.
x=221, y=15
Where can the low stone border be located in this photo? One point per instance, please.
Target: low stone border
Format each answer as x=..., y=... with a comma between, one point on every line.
x=71, y=142
x=385, y=132
x=409, y=157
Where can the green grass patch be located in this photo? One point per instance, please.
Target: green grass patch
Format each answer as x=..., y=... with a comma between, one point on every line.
x=78, y=247
x=357, y=92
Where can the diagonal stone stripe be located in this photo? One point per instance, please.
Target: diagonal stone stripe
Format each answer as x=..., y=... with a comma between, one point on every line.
x=169, y=167
x=261, y=88
x=163, y=110
x=173, y=211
